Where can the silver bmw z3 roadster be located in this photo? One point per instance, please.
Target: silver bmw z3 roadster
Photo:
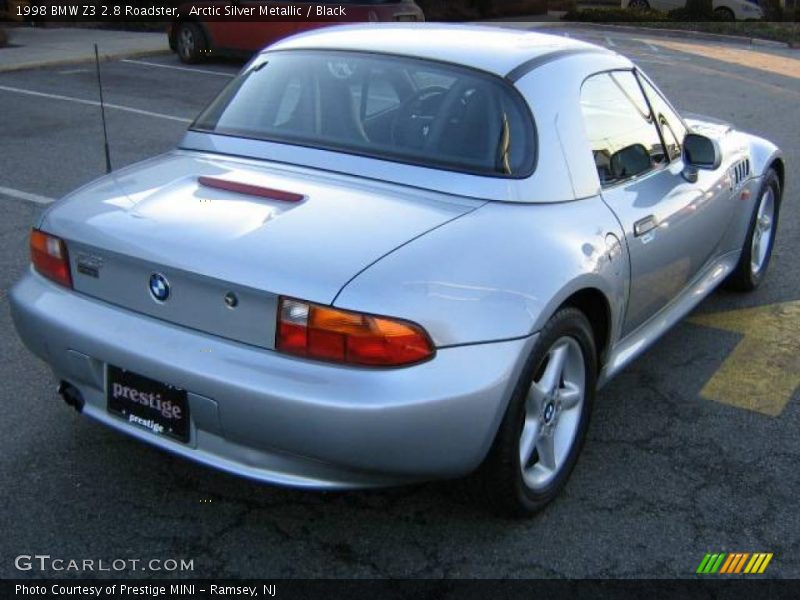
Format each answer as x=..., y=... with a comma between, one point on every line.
x=387, y=254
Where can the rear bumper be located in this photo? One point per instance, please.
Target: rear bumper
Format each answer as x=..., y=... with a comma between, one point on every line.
x=273, y=418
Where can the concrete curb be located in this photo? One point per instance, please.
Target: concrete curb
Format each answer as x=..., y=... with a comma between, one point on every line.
x=104, y=56
x=683, y=33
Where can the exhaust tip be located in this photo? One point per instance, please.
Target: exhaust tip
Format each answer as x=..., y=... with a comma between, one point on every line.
x=71, y=395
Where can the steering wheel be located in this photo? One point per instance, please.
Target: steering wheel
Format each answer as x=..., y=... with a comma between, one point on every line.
x=418, y=105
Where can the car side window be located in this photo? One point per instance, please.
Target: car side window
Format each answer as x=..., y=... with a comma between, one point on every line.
x=672, y=127
x=623, y=136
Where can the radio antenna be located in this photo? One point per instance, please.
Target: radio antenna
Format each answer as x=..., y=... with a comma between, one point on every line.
x=102, y=109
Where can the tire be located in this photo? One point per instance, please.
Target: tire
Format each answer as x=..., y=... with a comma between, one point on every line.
x=639, y=4
x=754, y=260
x=508, y=487
x=724, y=14
x=190, y=43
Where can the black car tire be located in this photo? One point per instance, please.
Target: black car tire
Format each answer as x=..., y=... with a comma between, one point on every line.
x=500, y=477
x=724, y=14
x=190, y=43
x=744, y=278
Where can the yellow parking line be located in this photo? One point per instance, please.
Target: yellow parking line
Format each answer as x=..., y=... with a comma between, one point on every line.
x=763, y=371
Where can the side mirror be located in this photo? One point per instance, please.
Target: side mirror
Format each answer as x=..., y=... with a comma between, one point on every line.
x=701, y=152
x=629, y=161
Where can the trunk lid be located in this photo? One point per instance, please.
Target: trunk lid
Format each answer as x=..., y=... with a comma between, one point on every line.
x=156, y=218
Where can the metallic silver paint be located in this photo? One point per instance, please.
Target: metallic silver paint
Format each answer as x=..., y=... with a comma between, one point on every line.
x=488, y=48
x=500, y=271
x=624, y=350
x=156, y=217
x=688, y=222
x=481, y=263
x=336, y=426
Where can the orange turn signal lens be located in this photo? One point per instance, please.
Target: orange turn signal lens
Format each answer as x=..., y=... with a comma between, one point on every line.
x=49, y=257
x=321, y=332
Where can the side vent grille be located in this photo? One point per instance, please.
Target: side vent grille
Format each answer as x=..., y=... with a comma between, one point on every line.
x=740, y=172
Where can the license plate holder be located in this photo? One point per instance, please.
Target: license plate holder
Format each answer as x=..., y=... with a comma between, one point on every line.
x=158, y=407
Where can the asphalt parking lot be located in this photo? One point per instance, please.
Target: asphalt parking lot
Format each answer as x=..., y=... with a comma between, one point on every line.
x=676, y=465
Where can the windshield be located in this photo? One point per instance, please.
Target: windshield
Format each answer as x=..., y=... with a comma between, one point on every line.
x=395, y=108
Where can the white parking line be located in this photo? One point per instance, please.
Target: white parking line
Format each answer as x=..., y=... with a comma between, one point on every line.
x=176, y=68
x=129, y=109
x=20, y=195
x=610, y=42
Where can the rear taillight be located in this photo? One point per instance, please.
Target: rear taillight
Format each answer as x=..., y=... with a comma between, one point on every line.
x=325, y=333
x=49, y=257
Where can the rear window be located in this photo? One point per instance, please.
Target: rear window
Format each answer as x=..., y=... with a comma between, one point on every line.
x=407, y=110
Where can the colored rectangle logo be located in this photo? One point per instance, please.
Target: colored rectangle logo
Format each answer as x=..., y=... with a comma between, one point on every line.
x=734, y=563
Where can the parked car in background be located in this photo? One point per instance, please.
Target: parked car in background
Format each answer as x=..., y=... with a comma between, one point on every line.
x=197, y=37
x=10, y=10
x=727, y=10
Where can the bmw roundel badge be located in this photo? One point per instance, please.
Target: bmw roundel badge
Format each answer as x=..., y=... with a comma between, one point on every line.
x=159, y=287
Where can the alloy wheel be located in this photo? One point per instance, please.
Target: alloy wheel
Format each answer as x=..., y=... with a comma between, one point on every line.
x=762, y=233
x=186, y=42
x=553, y=409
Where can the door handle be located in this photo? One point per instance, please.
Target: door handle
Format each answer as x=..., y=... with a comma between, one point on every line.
x=642, y=226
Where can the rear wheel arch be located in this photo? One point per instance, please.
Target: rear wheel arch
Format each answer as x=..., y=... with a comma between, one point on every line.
x=594, y=304
x=187, y=19
x=173, y=31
